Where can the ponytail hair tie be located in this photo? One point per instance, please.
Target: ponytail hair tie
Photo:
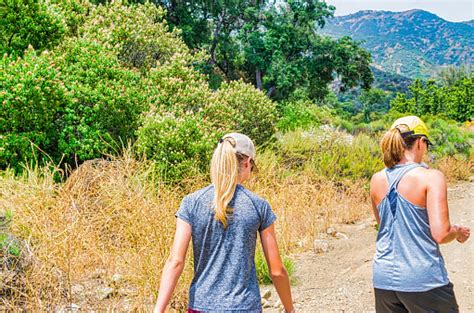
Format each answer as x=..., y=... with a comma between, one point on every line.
x=221, y=140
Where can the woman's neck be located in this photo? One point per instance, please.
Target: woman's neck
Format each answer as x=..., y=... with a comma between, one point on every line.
x=410, y=157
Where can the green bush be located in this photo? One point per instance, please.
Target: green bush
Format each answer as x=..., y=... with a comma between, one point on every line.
x=137, y=34
x=238, y=106
x=29, y=22
x=106, y=101
x=32, y=94
x=331, y=153
x=302, y=114
x=180, y=146
x=448, y=138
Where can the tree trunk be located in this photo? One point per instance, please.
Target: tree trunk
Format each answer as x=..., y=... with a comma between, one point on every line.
x=258, y=79
x=271, y=91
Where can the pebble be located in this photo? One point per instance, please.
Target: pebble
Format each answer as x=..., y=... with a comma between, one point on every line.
x=320, y=246
x=331, y=231
x=267, y=294
x=104, y=293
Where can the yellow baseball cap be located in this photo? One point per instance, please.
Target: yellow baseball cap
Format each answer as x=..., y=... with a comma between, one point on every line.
x=412, y=126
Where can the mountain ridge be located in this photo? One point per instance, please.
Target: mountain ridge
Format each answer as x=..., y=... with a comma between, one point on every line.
x=413, y=43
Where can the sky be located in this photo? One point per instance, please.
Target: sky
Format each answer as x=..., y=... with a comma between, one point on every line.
x=450, y=10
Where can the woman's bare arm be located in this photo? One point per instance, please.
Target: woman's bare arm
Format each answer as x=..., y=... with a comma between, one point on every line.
x=277, y=269
x=174, y=265
x=438, y=212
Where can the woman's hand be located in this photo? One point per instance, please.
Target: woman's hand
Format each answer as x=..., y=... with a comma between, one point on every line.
x=463, y=234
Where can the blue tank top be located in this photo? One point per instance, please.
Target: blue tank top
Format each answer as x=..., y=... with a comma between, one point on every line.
x=407, y=258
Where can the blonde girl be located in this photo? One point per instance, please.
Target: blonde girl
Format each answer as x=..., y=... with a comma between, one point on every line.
x=223, y=220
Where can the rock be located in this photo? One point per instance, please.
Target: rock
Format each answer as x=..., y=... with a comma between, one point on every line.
x=320, y=246
x=72, y=308
x=265, y=303
x=331, y=231
x=98, y=273
x=127, y=291
x=341, y=235
x=117, y=278
x=77, y=289
x=278, y=304
x=267, y=294
x=105, y=293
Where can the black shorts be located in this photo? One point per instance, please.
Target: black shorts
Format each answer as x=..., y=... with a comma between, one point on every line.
x=439, y=299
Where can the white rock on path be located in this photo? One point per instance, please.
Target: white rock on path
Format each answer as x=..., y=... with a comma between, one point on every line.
x=320, y=246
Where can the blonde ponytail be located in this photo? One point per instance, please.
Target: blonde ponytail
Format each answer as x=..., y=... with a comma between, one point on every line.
x=393, y=147
x=224, y=175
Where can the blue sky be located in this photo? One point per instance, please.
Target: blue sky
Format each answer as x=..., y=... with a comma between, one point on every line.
x=450, y=10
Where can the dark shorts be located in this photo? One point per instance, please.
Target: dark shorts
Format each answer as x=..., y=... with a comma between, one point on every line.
x=439, y=299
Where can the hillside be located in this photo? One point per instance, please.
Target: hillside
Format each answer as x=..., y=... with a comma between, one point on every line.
x=413, y=43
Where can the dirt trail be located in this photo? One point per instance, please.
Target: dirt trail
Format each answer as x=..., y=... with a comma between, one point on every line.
x=341, y=279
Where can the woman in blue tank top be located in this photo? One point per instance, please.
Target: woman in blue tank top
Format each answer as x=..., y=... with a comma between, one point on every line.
x=223, y=220
x=411, y=209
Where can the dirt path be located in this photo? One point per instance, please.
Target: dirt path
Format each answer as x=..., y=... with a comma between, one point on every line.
x=341, y=279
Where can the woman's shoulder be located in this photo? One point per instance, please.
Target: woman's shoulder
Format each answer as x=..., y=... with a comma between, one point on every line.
x=203, y=192
x=256, y=199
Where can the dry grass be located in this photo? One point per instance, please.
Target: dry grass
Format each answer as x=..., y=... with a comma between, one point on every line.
x=456, y=169
x=307, y=204
x=108, y=218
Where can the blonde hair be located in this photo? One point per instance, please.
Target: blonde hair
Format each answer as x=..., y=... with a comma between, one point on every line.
x=393, y=146
x=225, y=169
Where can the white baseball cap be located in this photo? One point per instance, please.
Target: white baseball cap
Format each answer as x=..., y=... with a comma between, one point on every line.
x=243, y=144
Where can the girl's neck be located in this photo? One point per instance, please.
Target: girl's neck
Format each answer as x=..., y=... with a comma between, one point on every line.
x=410, y=157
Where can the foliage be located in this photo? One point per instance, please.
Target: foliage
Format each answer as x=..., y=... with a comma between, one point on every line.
x=179, y=146
x=247, y=110
x=303, y=114
x=32, y=93
x=455, y=101
x=106, y=101
x=137, y=34
x=273, y=45
x=331, y=153
x=29, y=22
x=367, y=106
x=448, y=138
x=74, y=12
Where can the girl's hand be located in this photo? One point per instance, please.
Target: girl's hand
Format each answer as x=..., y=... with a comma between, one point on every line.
x=463, y=234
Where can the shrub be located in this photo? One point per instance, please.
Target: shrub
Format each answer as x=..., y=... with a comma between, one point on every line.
x=32, y=94
x=448, y=138
x=179, y=87
x=137, y=34
x=238, y=106
x=332, y=154
x=303, y=114
x=106, y=101
x=180, y=146
x=29, y=22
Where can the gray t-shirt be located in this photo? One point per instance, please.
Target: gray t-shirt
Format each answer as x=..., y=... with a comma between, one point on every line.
x=224, y=259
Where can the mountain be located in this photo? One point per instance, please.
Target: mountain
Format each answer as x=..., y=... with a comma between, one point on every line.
x=413, y=43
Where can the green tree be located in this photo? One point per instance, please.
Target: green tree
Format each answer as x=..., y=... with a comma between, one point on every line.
x=273, y=44
x=454, y=100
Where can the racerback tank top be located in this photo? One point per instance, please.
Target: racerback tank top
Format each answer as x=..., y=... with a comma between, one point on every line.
x=407, y=258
